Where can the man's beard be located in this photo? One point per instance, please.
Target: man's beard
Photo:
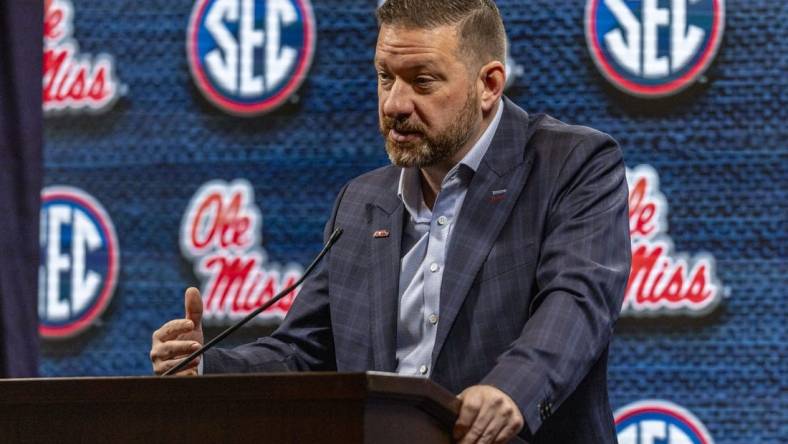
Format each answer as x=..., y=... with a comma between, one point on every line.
x=429, y=150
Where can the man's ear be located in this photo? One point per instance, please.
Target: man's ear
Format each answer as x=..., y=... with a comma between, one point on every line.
x=492, y=79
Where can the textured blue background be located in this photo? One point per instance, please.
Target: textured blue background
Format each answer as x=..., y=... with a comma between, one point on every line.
x=719, y=148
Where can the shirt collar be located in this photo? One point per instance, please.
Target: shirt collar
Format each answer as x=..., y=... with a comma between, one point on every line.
x=409, y=190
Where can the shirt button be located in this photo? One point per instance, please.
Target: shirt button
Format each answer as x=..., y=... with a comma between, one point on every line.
x=433, y=318
x=442, y=220
x=434, y=267
x=423, y=369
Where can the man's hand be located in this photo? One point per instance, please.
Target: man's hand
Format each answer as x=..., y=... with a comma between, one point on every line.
x=179, y=338
x=487, y=415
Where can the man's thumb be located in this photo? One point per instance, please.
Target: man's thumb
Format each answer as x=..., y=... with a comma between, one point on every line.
x=193, y=303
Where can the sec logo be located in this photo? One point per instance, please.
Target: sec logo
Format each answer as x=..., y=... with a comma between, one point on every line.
x=659, y=422
x=248, y=56
x=79, y=262
x=652, y=48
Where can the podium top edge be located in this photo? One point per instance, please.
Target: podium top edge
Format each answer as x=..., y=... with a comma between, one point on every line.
x=236, y=387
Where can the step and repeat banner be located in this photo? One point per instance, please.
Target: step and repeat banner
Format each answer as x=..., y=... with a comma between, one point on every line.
x=201, y=142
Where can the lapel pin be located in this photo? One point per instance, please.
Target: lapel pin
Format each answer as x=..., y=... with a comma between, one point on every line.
x=497, y=195
x=381, y=234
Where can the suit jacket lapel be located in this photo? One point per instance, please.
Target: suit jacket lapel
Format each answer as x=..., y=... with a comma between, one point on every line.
x=384, y=214
x=483, y=215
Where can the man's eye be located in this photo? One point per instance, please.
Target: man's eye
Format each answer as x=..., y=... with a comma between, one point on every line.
x=423, y=82
x=383, y=77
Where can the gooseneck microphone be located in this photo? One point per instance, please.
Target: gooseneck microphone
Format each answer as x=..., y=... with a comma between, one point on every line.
x=331, y=241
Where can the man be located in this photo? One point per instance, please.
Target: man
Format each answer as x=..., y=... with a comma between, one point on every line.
x=491, y=257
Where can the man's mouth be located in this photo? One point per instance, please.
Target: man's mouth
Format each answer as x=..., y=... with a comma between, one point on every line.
x=404, y=136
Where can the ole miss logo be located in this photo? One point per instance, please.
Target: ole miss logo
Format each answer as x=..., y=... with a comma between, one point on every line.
x=661, y=281
x=221, y=234
x=74, y=81
x=653, y=48
x=249, y=56
x=659, y=422
x=79, y=262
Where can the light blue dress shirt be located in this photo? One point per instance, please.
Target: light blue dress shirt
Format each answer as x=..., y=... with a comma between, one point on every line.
x=425, y=241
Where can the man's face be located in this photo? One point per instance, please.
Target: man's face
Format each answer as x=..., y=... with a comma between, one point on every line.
x=428, y=104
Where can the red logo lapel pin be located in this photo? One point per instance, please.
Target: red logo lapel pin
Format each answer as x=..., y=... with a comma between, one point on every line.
x=497, y=196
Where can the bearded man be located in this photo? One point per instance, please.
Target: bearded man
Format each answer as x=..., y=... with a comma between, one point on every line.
x=491, y=257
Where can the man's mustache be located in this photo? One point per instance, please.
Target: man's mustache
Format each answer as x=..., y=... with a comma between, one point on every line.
x=402, y=126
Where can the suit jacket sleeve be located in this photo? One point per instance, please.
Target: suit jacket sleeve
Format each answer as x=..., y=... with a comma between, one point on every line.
x=302, y=342
x=584, y=263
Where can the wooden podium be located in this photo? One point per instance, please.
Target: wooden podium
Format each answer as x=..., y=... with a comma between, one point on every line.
x=270, y=408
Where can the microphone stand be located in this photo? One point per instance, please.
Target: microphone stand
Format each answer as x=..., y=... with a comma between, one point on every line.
x=331, y=241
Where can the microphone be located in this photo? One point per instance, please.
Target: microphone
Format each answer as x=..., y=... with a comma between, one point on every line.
x=331, y=241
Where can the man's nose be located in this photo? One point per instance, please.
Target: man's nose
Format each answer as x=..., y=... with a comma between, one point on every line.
x=398, y=101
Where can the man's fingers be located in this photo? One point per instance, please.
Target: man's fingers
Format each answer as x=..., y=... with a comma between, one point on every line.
x=171, y=349
x=486, y=415
x=493, y=429
x=159, y=367
x=469, y=410
x=169, y=345
x=513, y=423
x=193, y=305
x=511, y=429
x=172, y=329
x=477, y=433
x=189, y=372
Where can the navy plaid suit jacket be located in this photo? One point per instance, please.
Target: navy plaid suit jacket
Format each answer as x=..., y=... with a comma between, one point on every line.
x=531, y=289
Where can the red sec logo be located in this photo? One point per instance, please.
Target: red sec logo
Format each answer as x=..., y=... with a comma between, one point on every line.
x=659, y=422
x=79, y=262
x=248, y=56
x=653, y=49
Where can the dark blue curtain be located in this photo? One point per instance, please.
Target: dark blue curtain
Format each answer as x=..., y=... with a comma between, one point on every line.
x=21, y=37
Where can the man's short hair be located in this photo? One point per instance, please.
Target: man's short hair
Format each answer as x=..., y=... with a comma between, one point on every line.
x=481, y=33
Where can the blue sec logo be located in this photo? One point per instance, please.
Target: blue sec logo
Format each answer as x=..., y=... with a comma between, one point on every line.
x=79, y=262
x=652, y=48
x=659, y=422
x=248, y=56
